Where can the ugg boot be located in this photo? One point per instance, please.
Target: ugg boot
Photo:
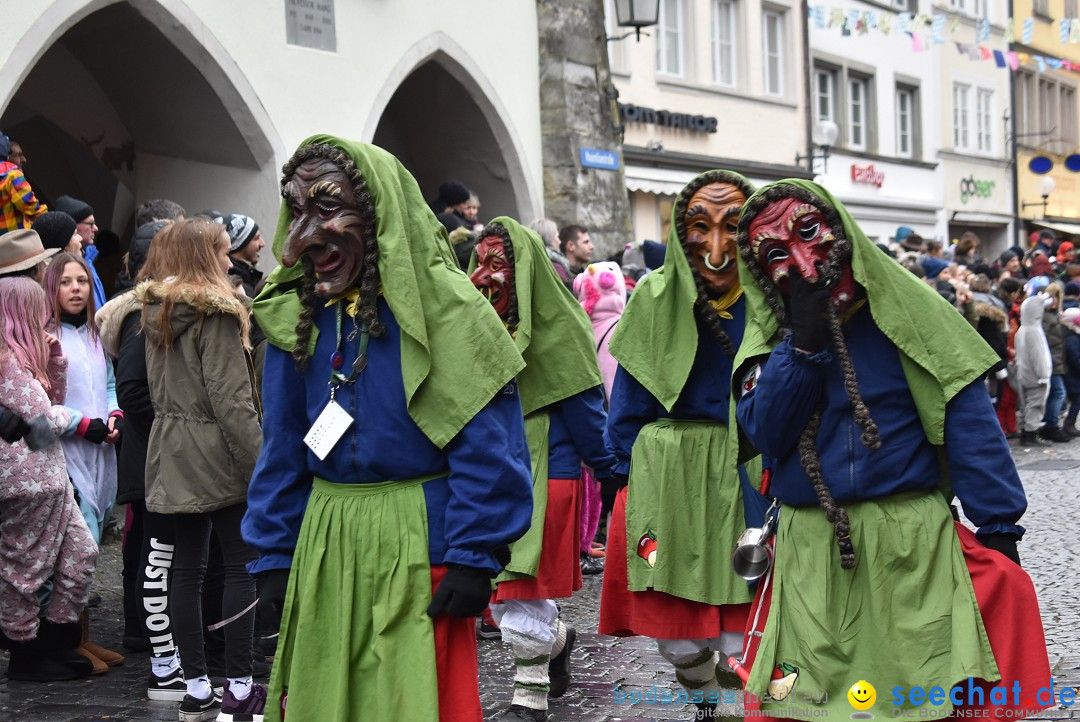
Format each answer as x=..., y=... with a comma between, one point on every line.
x=30, y=662
x=60, y=642
x=110, y=658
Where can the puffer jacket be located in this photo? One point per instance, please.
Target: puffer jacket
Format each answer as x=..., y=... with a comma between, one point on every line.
x=1055, y=339
x=206, y=434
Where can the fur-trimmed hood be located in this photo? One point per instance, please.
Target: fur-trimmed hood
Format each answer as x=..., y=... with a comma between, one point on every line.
x=193, y=306
x=110, y=320
x=993, y=313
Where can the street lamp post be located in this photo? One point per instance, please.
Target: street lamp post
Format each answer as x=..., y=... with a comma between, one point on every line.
x=1046, y=187
x=824, y=137
x=636, y=14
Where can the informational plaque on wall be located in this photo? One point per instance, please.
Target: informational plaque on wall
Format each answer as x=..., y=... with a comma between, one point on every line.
x=310, y=24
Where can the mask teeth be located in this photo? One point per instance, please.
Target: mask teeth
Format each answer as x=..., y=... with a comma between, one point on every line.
x=843, y=297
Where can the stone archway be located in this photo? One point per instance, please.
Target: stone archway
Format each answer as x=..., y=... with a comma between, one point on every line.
x=441, y=118
x=116, y=102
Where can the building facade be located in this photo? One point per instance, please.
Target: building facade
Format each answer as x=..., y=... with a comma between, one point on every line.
x=717, y=84
x=1046, y=115
x=200, y=101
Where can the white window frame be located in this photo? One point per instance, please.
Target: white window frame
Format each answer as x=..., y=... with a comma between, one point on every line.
x=984, y=120
x=829, y=96
x=665, y=35
x=725, y=16
x=858, y=121
x=961, y=98
x=905, y=115
x=771, y=52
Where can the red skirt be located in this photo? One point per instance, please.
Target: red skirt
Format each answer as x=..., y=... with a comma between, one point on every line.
x=559, y=573
x=1010, y=614
x=650, y=613
x=455, y=663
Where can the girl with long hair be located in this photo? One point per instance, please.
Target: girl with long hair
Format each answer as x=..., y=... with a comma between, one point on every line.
x=42, y=533
x=202, y=449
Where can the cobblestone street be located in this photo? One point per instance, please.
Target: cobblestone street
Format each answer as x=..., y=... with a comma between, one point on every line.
x=1050, y=552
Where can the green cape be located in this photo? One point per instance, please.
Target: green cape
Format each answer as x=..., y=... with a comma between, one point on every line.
x=455, y=353
x=554, y=334
x=657, y=336
x=939, y=350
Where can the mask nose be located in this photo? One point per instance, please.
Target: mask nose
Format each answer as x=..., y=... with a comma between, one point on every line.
x=480, y=277
x=299, y=239
x=804, y=263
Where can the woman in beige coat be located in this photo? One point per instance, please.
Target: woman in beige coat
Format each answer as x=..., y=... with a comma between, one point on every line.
x=203, y=445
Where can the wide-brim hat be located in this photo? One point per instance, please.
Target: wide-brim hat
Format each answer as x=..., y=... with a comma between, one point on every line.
x=22, y=249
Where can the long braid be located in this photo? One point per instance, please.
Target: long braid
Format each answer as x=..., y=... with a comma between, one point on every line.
x=701, y=304
x=308, y=303
x=871, y=437
x=835, y=513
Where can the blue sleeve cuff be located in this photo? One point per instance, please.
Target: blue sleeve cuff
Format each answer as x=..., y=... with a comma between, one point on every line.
x=1014, y=529
x=816, y=359
x=471, y=558
x=76, y=419
x=270, y=562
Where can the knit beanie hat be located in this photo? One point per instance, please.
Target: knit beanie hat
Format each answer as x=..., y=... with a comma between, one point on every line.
x=1072, y=288
x=241, y=230
x=452, y=192
x=55, y=229
x=1005, y=257
x=79, y=210
x=1063, y=248
x=934, y=266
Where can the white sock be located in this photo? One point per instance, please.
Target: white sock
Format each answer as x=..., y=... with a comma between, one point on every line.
x=560, y=640
x=200, y=687
x=165, y=665
x=240, y=687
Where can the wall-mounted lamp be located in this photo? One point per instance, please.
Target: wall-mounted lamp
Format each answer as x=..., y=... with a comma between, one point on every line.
x=636, y=14
x=824, y=137
x=1046, y=187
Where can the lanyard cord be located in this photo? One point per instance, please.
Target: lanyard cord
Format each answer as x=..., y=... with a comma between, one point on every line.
x=337, y=360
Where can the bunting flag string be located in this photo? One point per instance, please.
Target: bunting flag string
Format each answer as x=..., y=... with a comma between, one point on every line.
x=927, y=31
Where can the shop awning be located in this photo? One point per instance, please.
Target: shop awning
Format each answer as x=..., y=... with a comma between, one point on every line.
x=975, y=218
x=1070, y=228
x=661, y=181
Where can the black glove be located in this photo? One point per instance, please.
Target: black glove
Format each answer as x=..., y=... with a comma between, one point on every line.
x=808, y=304
x=609, y=488
x=13, y=427
x=1002, y=542
x=96, y=431
x=271, y=586
x=463, y=592
x=41, y=434
x=118, y=423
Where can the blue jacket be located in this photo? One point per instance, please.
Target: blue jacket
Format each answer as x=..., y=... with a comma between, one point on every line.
x=706, y=396
x=577, y=435
x=484, y=500
x=791, y=385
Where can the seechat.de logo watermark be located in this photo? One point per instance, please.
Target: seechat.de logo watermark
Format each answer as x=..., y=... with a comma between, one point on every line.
x=972, y=700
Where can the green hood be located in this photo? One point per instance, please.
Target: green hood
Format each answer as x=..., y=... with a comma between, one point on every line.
x=657, y=336
x=554, y=334
x=939, y=350
x=455, y=354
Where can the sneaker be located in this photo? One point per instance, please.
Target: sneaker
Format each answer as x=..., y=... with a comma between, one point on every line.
x=249, y=709
x=591, y=565
x=518, y=711
x=1071, y=430
x=171, y=688
x=488, y=629
x=193, y=709
x=559, y=666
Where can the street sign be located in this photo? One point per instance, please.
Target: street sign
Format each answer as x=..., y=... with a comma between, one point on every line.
x=596, y=158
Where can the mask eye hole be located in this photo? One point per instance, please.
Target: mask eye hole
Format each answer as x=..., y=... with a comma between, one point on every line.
x=810, y=231
x=775, y=255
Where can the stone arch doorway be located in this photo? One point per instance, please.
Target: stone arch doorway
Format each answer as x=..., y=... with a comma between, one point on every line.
x=442, y=123
x=119, y=102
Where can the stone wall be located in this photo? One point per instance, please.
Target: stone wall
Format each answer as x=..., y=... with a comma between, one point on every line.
x=577, y=111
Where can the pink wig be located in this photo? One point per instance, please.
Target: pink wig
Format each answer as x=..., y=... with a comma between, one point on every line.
x=23, y=314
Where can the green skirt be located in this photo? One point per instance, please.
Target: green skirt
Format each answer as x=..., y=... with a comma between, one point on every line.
x=356, y=641
x=906, y=615
x=684, y=502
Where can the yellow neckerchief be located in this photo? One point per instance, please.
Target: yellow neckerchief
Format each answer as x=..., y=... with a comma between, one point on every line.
x=353, y=297
x=852, y=310
x=721, y=305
